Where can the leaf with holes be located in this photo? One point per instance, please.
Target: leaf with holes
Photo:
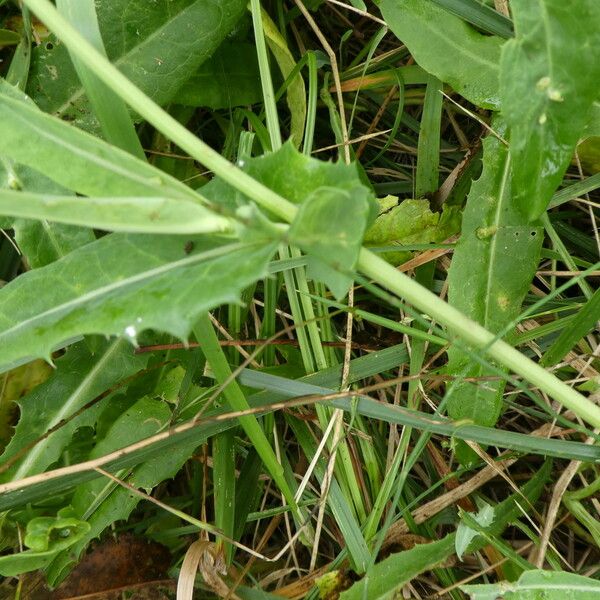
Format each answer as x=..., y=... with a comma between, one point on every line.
x=492, y=268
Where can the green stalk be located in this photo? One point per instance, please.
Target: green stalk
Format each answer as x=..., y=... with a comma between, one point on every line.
x=473, y=333
x=369, y=264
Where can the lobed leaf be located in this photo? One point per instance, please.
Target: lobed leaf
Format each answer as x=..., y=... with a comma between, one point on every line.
x=335, y=208
x=123, y=284
x=102, y=502
x=46, y=537
x=80, y=377
x=548, y=83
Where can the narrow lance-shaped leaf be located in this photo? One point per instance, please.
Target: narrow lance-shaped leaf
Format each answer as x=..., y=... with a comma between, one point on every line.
x=110, y=110
x=40, y=242
x=157, y=45
x=492, y=268
x=386, y=577
x=141, y=215
x=95, y=168
x=534, y=585
x=123, y=284
x=296, y=94
x=548, y=82
x=445, y=46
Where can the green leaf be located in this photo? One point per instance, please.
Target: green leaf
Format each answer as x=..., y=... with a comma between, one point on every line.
x=275, y=389
x=335, y=207
x=95, y=168
x=230, y=78
x=492, y=268
x=410, y=222
x=9, y=38
x=548, y=83
x=141, y=215
x=157, y=45
x=360, y=368
x=40, y=242
x=538, y=585
x=45, y=536
x=465, y=535
x=110, y=110
x=480, y=15
x=296, y=93
x=427, y=175
x=79, y=378
x=329, y=227
x=102, y=502
x=16, y=384
x=123, y=284
x=382, y=580
x=445, y=46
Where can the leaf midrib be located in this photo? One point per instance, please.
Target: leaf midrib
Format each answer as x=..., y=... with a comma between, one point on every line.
x=122, y=284
x=156, y=33
x=461, y=49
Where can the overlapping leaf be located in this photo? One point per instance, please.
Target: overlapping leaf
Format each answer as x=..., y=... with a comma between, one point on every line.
x=142, y=215
x=76, y=160
x=230, y=78
x=102, y=502
x=123, y=284
x=40, y=242
x=80, y=377
x=158, y=45
x=548, y=83
x=335, y=208
x=410, y=222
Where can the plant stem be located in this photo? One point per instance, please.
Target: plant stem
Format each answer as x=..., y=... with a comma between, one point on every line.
x=473, y=333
